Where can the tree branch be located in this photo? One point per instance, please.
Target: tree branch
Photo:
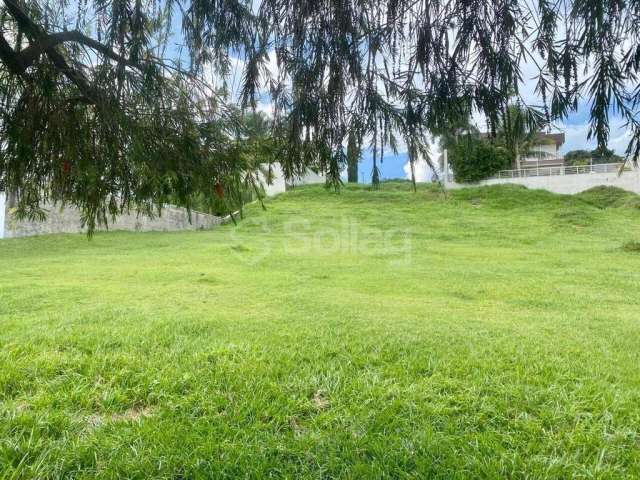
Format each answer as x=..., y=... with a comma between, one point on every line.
x=10, y=58
x=36, y=33
x=50, y=41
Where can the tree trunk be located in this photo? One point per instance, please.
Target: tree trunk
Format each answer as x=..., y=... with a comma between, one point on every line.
x=353, y=157
x=352, y=172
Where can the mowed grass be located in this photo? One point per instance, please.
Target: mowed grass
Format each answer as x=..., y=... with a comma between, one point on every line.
x=367, y=334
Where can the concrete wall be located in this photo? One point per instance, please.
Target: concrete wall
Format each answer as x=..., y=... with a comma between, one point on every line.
x=68, y=220
x=310, y=178
x=279, y=185
x=629, y=180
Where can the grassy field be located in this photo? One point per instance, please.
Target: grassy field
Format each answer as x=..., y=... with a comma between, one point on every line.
x=490, y=334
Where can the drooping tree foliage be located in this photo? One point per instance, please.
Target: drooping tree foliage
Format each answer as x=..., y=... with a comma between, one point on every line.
x=518, y=129
x=108, y=104
x=251, y=157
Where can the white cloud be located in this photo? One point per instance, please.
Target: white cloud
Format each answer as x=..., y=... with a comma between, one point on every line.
x=576, y=136
x=266, y=108
x=423, y=172
x=422, y=169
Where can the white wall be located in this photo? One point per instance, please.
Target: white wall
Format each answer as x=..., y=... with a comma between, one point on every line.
x=629, y=180
x=279, y=185
x=2, y=210
x=310, y=178
x=549, y=148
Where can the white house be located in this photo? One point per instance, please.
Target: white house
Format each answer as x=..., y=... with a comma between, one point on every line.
x=545, y=151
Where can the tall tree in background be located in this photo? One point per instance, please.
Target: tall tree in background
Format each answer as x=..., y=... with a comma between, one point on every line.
x=354, y=153
x=106, y=99
x=518, y=128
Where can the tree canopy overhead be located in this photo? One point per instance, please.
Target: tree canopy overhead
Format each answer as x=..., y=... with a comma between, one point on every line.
x=109, y=104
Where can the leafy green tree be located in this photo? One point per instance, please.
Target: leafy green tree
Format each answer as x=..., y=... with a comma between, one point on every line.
x=577, y=157
x=107, y=104
x=473, y=159
x=605, y=155
x=586, y=157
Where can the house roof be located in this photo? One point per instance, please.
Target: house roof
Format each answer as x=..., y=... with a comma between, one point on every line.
x=557, y=138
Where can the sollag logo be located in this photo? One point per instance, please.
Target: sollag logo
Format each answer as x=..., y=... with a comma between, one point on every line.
x=301, y=237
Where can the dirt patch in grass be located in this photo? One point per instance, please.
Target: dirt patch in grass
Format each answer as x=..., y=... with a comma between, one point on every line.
x=133, y=414
x=296, y=428
x=320, y=400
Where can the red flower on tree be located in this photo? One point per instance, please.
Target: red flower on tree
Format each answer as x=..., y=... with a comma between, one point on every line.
x=219, y=190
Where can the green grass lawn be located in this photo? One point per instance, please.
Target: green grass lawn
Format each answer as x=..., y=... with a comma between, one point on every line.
x=365, y=334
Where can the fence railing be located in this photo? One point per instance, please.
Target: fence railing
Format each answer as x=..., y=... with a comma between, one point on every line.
x=540, y=171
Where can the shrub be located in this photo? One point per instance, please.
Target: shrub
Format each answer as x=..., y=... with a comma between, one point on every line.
x=473, y=159
x=586, y=157
x=577, y=157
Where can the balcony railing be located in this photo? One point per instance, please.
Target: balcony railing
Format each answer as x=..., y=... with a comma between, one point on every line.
x=563, y=170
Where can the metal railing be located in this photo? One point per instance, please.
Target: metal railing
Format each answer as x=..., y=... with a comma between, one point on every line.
x=540, y=171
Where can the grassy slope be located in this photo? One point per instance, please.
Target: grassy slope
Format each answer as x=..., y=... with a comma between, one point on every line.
x=506, y=346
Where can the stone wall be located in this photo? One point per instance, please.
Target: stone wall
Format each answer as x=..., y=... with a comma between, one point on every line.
x=68, y=220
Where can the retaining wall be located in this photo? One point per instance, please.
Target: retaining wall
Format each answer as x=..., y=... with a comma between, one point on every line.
x=68, y=220
x=576, y=183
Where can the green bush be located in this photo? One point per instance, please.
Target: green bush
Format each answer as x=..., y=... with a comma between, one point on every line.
x=473, y=159
x=577, y=158
x=585, y=157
